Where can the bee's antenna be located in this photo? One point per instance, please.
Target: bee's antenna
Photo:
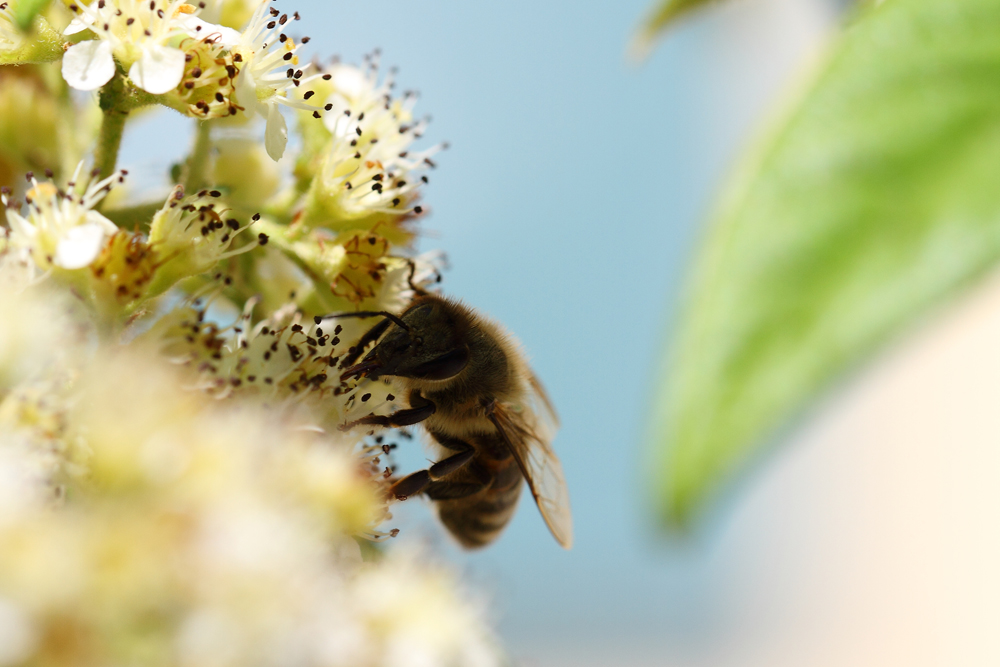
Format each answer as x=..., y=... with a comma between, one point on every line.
x=375, y=313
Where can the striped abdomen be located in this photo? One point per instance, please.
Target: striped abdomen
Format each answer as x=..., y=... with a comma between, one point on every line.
x=478, y=519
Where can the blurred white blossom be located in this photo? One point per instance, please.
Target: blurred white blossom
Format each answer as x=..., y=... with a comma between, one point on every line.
x=61, y=228
x=174, y=487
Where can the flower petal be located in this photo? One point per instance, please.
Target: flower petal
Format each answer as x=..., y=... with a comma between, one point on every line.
x=88, y=65
x=79, y=24
x=276, y=133
x=246, y=91
x=79, y=246
x=95, y=218
x=159, y=70
x=349, y=81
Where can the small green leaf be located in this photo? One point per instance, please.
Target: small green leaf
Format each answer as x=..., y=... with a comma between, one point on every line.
x=25, y=11
x=663, y=16
x=877, y=198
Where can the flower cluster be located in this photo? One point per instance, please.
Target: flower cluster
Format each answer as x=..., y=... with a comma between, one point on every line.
x=137, y=521
x=174, y=487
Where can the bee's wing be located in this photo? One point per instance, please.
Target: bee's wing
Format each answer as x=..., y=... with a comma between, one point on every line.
x=528, y=430
x=543, y=407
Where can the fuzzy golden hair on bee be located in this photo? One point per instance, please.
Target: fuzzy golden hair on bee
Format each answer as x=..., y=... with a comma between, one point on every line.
x=468, y=384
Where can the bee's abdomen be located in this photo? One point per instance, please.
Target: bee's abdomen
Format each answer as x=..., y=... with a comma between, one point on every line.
x=479, y=519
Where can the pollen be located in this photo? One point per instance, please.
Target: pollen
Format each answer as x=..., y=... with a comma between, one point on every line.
x=42, y=191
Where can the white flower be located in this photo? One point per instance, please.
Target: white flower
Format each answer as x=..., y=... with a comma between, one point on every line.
x=266, y=74
x=192, y=234
x=142, y=36
x=61, y=228
x=371, y=167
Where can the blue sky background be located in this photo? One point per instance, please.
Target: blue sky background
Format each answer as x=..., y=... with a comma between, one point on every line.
x=569, y=204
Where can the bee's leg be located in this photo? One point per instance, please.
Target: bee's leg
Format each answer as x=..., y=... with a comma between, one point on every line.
x=453, y=490
x=413, y=270
x=415, y=483
x=372, y=334
x=420, y=410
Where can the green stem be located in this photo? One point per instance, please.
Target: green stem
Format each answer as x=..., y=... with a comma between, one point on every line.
x=130, y=216
x=195, y=174
x=109, y=141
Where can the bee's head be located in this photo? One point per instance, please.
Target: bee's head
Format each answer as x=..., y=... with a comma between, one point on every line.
x=425, y=343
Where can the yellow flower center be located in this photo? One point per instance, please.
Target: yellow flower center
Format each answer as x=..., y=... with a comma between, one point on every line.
x=42, y=191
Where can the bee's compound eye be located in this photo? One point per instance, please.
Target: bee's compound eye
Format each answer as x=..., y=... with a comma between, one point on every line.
x=446, y=366
x=422, y=311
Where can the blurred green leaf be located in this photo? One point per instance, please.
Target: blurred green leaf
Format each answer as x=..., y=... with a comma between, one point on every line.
x=25, y=11
x=662, y=17
x=876, y=198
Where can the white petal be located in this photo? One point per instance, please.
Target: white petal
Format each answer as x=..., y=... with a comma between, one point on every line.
x=349, y=81
x=199, y=29
x=246, y=90
x=88, y=65
x=79, y=246
x=334, y=117
x=159, y=70
x=20, y=226
x=276, y=133
x=79, y=24
x=95, y=218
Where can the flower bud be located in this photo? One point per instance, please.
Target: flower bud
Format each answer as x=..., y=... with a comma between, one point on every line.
x=243, y=168
x=41, y=44
x=29, y=123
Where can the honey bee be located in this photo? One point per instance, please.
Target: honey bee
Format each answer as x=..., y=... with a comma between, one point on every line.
x=468, y=384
